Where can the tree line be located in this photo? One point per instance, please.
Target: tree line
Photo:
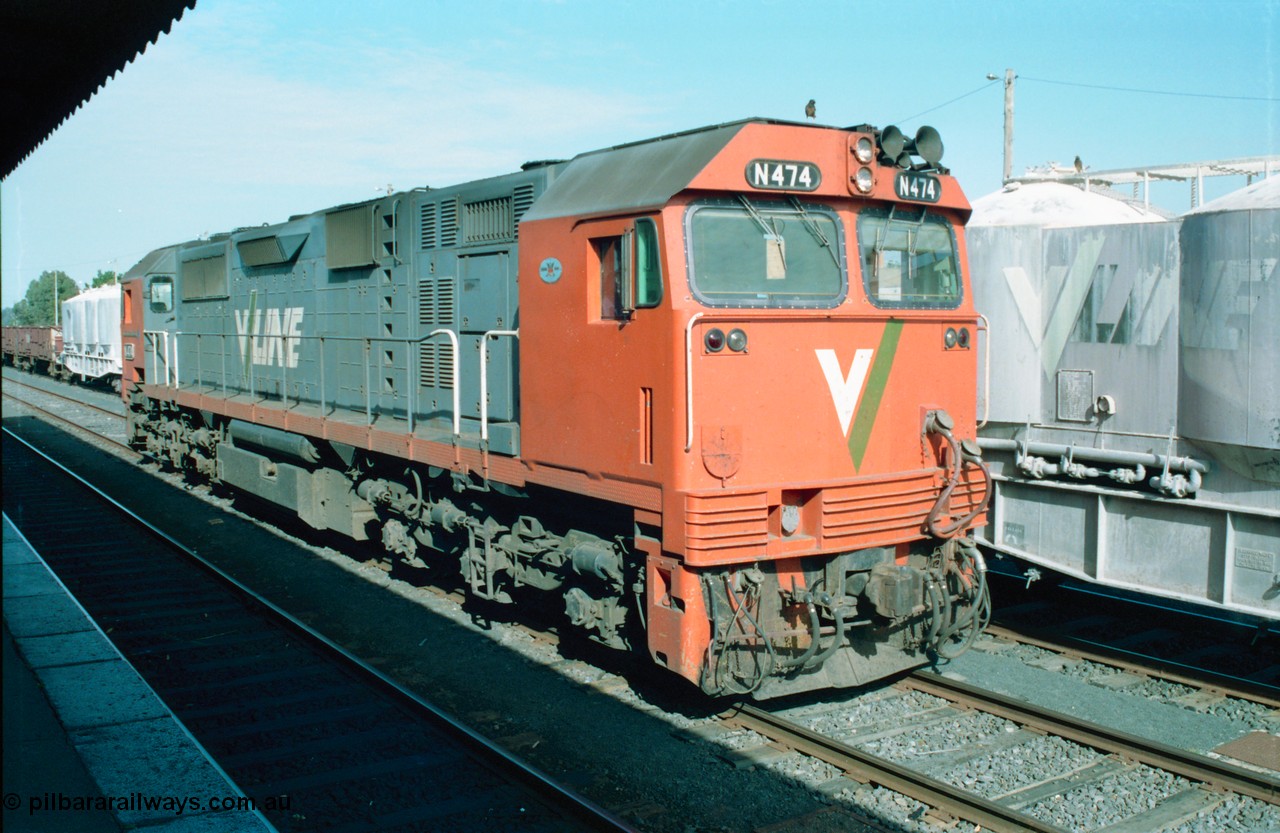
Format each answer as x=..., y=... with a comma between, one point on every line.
x=38, y=309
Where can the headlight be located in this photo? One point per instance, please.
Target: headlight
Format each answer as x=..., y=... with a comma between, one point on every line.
x=737, y=340
x=864, y=180
x=864, y=150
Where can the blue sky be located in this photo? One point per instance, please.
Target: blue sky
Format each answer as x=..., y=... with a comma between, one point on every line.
x=248, y=112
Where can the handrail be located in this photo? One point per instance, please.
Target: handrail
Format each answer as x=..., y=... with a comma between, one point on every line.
x=155, y=354
x=171, y=369
x=688, y=381
x=986, y=371
x=484, y=377
x=150, y=336
x=453, y=340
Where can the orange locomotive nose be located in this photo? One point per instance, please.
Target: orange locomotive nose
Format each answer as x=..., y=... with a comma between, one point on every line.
x=801, y=343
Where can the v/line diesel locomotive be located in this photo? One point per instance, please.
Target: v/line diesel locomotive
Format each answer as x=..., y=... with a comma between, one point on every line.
x=712, y=393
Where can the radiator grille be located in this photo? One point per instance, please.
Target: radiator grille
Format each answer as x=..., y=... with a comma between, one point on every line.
x=436, y=302
x=435, y=365
x=880, y=512
x=884, y=511
x=429, y=226
x=449, y=223
x=522, y=201
x=727, y=526
x=489, y=221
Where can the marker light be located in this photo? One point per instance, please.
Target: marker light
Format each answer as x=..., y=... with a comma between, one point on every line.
x=863, y=150
x=864, y=180
x=964, y=337
x=714, y=340
x=737, y=341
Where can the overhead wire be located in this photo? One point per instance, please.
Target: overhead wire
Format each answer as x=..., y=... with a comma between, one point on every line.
x=945, y=103
x=1112, y=88
x=1108, y=87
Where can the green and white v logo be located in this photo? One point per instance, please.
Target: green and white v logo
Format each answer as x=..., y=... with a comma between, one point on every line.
x=847, y=389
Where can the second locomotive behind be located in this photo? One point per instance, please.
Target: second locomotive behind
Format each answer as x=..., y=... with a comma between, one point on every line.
x=713, y=393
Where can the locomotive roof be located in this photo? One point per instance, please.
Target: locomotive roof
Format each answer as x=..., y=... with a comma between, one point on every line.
x=151, y=262
x=637, y=175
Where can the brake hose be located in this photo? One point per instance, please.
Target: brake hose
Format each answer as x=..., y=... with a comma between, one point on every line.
x=940, y=423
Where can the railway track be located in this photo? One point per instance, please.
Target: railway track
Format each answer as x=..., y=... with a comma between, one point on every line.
x=82, y=410
x=320, y=739
x=868, y=768
x=1210, y=683
x=1236, y=657
x=94, y=399
x=1213, y=772
x=938, y=741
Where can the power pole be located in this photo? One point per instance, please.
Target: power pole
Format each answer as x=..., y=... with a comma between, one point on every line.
x=1008, y=124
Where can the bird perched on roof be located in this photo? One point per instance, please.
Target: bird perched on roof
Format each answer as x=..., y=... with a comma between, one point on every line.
x=1079, y=165
x=810, y=110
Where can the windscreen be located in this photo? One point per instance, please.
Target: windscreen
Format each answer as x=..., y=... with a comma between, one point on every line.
x=909, y=260
x=748, y=253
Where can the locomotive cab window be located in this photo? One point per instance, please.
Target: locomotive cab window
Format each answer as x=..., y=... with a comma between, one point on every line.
x=609, y=251
x=749, y=253
x=630, y=271
x=648, y=269
x=909, y=260
x=160, y=294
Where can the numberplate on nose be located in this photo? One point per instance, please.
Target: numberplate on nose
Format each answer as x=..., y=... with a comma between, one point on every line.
x=783, y=175
x=918, y=187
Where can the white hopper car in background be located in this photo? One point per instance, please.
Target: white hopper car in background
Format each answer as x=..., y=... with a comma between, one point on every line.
x=91, y=335
x=1133, y=403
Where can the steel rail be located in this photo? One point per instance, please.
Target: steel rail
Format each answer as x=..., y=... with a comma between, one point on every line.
x=45, y=412
x=575, y=805
x=9, y=381
x=1139, y=663
x=865, y=766
x=1192, y=765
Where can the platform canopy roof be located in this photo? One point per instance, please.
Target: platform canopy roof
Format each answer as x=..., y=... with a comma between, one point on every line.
x=55, y=54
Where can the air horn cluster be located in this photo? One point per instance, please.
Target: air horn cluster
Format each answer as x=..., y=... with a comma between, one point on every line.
x=897, y=149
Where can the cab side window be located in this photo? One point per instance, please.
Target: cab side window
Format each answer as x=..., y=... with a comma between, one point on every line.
x=648, y=285
x=160, y=294
x=630, y=270
x=609, y=252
